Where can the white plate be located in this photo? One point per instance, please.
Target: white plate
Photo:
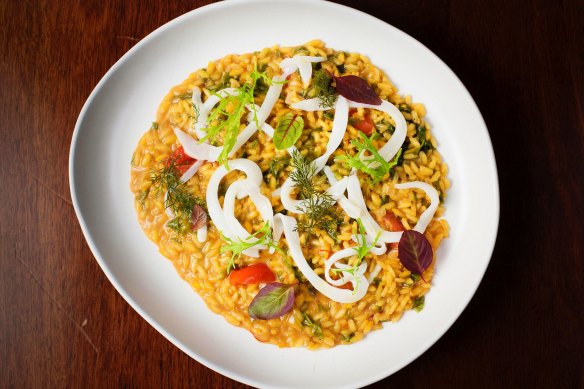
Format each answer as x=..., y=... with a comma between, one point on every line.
x=124, y=104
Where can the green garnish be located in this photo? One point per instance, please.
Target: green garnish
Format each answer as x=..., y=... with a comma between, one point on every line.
x=277, y=165
x=154, y=126
x=313, y=325
x=288, y=130
x=377, y=167
x=323, y=89
x=178, y=198
x=319, y=207
x=263, y=236
x=179, y=224
x=228, y=113
x=419, y=303
x=362, y=250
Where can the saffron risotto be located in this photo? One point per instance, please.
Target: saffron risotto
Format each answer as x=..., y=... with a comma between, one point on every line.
x=314, y=320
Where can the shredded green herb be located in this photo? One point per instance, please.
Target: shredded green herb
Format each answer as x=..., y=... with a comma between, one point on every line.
x=419, y=303
x=278, y=164
x=323, y=89
x=313, y=325
x=376, y=167
x=154, y=126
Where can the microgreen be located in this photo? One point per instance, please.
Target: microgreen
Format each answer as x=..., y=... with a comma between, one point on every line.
x=415, y=252
x=356, y=89
x=263, y=236
x=228, y=113
x=273, y=300
x=288, y=130
x=362, y=249
x=376, y=167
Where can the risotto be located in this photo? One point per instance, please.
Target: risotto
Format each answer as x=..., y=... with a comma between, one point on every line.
x=296, y=191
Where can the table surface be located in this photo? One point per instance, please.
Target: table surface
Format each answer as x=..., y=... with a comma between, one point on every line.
x=62, y=324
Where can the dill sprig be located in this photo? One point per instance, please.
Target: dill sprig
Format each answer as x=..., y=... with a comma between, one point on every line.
x=323, y=89
x=178, y=198
x=319, y=207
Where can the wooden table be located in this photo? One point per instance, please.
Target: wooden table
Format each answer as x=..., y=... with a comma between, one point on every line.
x=62, y=324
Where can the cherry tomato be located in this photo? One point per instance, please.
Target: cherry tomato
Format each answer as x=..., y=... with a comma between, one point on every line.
x=366, y=125
x=181, y=160
x=252, y=274
x=392, y=223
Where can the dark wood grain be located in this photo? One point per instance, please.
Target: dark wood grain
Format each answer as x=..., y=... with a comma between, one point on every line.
x=62, y=324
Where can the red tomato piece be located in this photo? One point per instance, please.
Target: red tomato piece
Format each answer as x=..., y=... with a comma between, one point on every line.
x=392, y=223
x=181, y=160
x=366, y=125
x=252, y=274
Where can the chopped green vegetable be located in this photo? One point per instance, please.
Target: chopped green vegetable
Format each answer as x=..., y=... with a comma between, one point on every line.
x=154, y=126
x=179, y=224
x=376, y=167
x=278, y=164
x=323, y=89
x=313, y=325
x=419, y=303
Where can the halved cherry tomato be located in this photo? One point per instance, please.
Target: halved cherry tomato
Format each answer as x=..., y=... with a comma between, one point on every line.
x=366, y=125
x=392, y=223
x=347, y=285
x=252, y=274
x=181, y=160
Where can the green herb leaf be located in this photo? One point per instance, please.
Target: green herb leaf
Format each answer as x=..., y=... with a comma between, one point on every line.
x=154, y=126
x=376, y=167
x=419, y=303
x=288, y=131
x=273, y=300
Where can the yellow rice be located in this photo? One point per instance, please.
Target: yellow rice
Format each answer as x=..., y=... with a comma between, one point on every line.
x=315, y=321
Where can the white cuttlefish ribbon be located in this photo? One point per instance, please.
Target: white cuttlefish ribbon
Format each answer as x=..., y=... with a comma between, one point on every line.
x=224, y=218
x=287, y=225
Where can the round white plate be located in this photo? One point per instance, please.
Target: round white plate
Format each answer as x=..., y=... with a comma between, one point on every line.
x=124, y=104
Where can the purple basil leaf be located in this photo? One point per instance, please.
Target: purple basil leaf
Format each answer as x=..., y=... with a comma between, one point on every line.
x=273, y=300
x=199, y=217
x=414, y=251
x=357, y=89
